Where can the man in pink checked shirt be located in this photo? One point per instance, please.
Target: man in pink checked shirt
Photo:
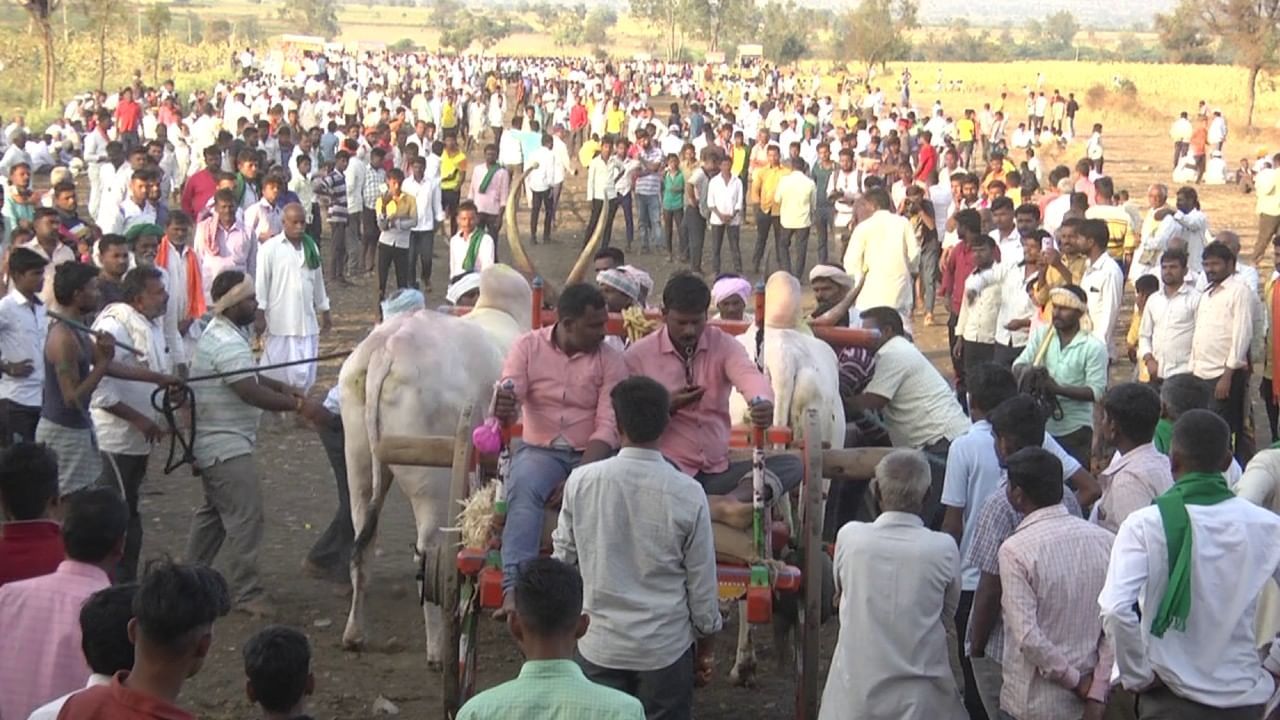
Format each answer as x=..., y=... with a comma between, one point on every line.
x=563, y=376
x=700, y=366
x=40, y=653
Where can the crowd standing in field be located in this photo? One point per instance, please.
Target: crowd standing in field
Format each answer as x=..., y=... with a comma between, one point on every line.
x=1065, y=543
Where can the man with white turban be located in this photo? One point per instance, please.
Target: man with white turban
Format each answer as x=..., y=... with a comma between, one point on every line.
x=730, y=295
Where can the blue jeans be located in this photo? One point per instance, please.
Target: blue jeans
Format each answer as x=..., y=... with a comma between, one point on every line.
x=649, y=208
x=535, y=473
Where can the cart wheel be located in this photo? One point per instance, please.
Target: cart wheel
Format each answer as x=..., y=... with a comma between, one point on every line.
x=807, y=686
x=459, y=609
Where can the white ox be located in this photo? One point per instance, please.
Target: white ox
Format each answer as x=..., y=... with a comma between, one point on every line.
x=416, y=374
x=804, y=373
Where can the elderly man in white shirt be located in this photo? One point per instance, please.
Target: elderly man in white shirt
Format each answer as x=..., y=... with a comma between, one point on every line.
x=290, y=291
x=1169, y=320
x=883, y=254
x=893, y=659
x=1184, y=634
x=1223, y=333
x=125, y=421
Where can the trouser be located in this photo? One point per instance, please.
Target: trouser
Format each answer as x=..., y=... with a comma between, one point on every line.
x=1006, y=354
x=1163, y=704
x=717, y=241
x=313, y=227
x=555, y=202
x=597, y=210
x=129, y=139
x=1268, y=226
x=989, y=678
x=735, y=480
x=388, y=255
x=1121, y=705
x=492, y=224
x=449, y=200
x=957, y=366
x=422, y=244
x=535, y=474
x=1078, y=444
x=1232, y=409
x=673, y=231
x=649, y=208
x=930, y=255
x=497, y=134
x=232, y=512
x=822, y=226
x=541, y=198
x=695, y=231
x=338, y=252
x=666, y=694
x=1265, y=390
x=972, y=700
x=332, y=550
x=125, y=473
x=764, y=223
x=966, y=154
x=936, y=453
x=623, y=202
x=782, y=248
x=1200, y=167
x=17, y=423
x=1179, y=149
x=95, y=186
x=369, y=233
x=974, y=354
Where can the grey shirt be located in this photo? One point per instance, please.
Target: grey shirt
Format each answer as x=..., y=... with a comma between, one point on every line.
x=226, y=426
x=640, y=531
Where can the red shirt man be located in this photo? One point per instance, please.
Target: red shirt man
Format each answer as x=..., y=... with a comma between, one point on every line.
x=128, y=113
x=577, y=116
x=30, y=543
x=927, y=161
x=29, y=548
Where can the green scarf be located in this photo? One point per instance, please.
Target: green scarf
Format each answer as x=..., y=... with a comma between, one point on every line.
x=1164, y=435
x=310, y=252
x=473, y=249
x=241, y=184
x=1196, y=488
x=488, y=177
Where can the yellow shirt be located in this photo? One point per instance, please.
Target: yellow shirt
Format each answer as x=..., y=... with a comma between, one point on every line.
x=613, y=121
x=452, y=168
x=588, y=152
x=448, y=117
x=1120, y=239
x=964, y=130
x=739, y=159
x=1131, y=340
x=763, y=186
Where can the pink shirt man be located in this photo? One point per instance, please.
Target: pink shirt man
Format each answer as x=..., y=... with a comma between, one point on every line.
x=564, y=399
x=490, y=201
x=697, y=439
x=221, y=249
x=40, y=655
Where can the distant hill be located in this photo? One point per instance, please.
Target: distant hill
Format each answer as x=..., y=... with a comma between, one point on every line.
x=1100, y=14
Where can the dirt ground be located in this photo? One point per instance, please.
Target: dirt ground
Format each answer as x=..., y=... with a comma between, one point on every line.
x=298, y=487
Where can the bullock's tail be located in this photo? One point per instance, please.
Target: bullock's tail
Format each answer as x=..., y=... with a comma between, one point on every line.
x=380, y=365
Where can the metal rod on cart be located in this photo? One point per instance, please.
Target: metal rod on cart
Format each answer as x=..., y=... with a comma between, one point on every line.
x=504, y=456
x=758, y=523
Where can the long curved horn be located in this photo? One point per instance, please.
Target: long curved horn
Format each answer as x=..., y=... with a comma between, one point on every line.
x=519, y=258
x=588, y=253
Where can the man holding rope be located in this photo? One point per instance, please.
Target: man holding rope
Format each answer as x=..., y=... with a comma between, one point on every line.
x=227, y=412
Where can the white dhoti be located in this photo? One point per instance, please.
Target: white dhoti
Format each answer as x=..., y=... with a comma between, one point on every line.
x=291, y=348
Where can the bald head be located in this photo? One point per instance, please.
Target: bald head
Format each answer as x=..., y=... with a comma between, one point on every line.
x=1230, y=239
x=295, y=222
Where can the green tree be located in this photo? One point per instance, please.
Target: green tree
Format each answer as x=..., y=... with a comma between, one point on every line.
x=875, y=31
x=220, y=31
x=793, y=48
x=317, y=16
x=595, y=29
x=567, y=28
x=491, y=29
x=247, y=30
x=1060, y=28
x=103, y=16
x=158, y=20
x=673, y=17
x=1251, y=30
x=1182, y=37
x=41, y=12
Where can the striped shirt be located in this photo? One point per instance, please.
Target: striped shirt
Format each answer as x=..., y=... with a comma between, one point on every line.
x=650, y=183
x=374, y=185
x=333, y=188
x=227, y=427
x=1051, y=571
x=552, y=689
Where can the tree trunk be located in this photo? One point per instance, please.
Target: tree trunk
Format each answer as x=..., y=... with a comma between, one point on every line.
x=102, y=58
x=1253, y=94
x=46, y=46
x=155, y=74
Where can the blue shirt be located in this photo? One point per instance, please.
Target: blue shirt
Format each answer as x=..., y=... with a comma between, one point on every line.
x=1083, y=362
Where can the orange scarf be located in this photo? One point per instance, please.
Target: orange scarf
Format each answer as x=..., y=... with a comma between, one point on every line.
x=195, y=290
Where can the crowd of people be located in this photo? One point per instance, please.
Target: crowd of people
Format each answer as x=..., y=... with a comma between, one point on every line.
x=1065, y=542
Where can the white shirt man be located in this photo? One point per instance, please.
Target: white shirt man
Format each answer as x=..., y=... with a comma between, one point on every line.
x=541, y=177
x=883, y=253
x=1167, y=327
x=291, y=295
x=725, y=200
x=23, y=328
x=262, y=220
x=458, y=254
x=426, y=196
x=1103, y=284
x=896, y=659
x=116, y=435
x=1223, y=329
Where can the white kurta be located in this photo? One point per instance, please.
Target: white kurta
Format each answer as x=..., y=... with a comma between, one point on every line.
x=291, y=296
